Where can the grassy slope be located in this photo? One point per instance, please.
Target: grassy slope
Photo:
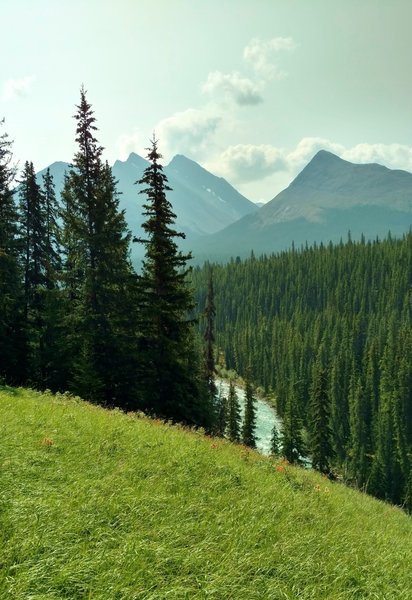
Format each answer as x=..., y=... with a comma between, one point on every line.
x=102, y=505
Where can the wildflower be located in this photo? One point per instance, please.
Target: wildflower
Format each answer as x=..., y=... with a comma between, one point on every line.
x=47, y=442
x=280, y=469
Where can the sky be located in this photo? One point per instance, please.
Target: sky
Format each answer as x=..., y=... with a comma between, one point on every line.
x=250, y=89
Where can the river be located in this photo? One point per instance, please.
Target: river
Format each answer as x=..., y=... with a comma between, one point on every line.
x=266, y=416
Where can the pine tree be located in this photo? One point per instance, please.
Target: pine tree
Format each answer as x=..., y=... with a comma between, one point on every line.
x=221, y=421
x=292, y=443
x=35, y=259
x=168, y=387
x=53, y=343
x=209, y=354
x=275, y=449
x=249, y=420
x=358, y=466
x=320, y=432
x=52, y=230
x=11, y=291
x=233, y=414
x=98, y=277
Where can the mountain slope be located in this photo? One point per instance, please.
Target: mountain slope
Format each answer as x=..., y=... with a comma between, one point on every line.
x=327, y=199
x=99, y=504
x=203, y=203
x=214, y=203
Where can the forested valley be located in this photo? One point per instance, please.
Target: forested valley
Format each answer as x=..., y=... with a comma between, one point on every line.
x=327, y=331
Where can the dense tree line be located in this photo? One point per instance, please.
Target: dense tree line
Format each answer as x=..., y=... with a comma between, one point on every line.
x=74, y=314
x=327, y=330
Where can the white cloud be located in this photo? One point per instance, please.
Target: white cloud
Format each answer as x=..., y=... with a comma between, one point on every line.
x=186, y=132
x=243, y=90
x=394, y=156
x=231, y=85
x=128, y=143
x=17, y=88
x=306, y=150
x=246, y=162
x=262, y=55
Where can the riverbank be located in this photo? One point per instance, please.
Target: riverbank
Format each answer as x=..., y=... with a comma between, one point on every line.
x=266, y=415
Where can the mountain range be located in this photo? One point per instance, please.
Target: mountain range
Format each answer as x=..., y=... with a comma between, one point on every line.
x=203, y=203
x=329, y=198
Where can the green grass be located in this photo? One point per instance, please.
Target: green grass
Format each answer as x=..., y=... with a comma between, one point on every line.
x=103, y=505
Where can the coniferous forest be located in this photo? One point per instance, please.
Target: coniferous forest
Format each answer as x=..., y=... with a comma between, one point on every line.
x=75, y=315
x=327, y=331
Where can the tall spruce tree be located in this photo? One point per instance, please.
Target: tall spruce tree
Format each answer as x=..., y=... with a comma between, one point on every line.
x=320, y=445
x=11, y=291
x=98, y=277
x=209, y=352
x=53, y=343
x=249, y=420
x=358, y=419
x=275, y=441
x=233, y=414
x=292, y=442
x=52, y=230
x=35, y=261
x=168, y=385
x=221, y=421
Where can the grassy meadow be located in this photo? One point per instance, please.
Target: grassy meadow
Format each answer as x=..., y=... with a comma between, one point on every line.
x=100, y=505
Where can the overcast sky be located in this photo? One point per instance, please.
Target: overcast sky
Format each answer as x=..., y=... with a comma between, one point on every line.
x=250, y=89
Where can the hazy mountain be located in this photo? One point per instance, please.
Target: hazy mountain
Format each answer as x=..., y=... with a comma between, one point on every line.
x=203, y=203
x=329, y=197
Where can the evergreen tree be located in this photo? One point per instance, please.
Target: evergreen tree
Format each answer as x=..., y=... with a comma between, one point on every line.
x=221, y=413
x=35, y=259
x=168, y=386
x=275, y=449
x=209, y=354
x=52, y=231
x=98, y=277
x=11, y=292
x=358, y=466
x=292, y=442
x=320, y=433
x=53, y=374
x=249, y=421
x=233, y=414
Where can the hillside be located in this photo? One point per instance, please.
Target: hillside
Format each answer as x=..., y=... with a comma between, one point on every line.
x=103, y=505
x=339, y=313
x=328, y=198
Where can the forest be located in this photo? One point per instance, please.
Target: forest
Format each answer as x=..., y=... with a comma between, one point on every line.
x=75, y=315
x=327, y=331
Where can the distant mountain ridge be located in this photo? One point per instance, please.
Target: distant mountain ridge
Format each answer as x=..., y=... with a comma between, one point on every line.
x=203, y=202
x=328, y=181
x=328, y=198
